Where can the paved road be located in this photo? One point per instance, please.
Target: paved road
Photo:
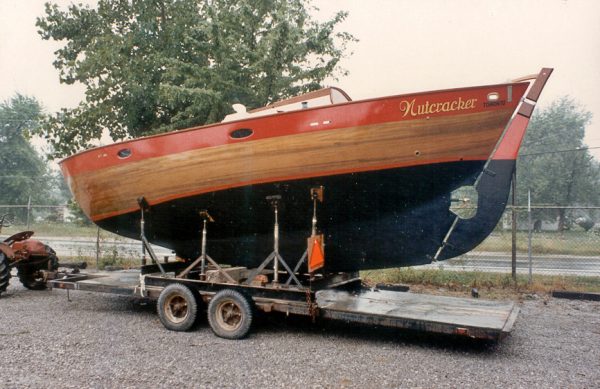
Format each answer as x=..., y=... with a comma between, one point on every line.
x=86, y=247
x=479, y=261
x=541, y=264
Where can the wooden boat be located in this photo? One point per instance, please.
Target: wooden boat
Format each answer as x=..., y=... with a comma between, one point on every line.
x=388, y=165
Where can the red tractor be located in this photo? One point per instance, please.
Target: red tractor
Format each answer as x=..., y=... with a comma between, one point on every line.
x=32, y=258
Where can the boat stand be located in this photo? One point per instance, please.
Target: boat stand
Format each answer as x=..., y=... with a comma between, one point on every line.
x=316, y=194
x=201, y=260
x=146, y=247
x=275, y=256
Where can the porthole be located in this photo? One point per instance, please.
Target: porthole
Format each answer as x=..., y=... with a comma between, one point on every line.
x=241, y=133
x=124, y=153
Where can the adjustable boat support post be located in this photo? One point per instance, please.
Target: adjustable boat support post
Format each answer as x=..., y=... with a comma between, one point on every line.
x=315, y=194
x=203, y=256
x=274, y=256
x=142, y=202
x=145, y=244
x=205, y=218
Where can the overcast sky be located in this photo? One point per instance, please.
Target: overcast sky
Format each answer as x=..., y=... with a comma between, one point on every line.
x=405, y=46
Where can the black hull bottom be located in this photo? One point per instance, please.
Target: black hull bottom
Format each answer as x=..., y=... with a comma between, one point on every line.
x=380, y=219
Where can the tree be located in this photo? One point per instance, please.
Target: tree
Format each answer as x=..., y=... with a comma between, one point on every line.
x=555, y=163
x=24, y=172
x=151, y=66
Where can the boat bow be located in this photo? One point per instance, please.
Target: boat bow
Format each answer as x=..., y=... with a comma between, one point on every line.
x=493, y=185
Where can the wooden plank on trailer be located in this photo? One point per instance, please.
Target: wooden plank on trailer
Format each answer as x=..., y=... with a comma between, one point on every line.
x=442, y=314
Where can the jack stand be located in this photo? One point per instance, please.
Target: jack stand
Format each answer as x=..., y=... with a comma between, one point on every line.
x=297, y=267
x=203, y=256
x=145, y=244
x=315, y=194
x=275, y=256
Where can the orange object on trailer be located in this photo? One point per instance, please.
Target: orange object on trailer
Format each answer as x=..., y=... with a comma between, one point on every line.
x=316, y=255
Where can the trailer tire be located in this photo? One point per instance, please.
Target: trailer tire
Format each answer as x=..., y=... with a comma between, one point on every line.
x=4, y=272
x=177, y=307
x=230, y=314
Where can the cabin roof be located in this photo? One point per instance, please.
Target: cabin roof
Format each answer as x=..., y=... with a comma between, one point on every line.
x=329, y=91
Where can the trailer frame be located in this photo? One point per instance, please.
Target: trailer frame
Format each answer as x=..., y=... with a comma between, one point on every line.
x=339, y=296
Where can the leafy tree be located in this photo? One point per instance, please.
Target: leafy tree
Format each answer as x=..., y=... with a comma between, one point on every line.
x=555, y=163
x=151, y=66
x=77, y=214
x=23, y=170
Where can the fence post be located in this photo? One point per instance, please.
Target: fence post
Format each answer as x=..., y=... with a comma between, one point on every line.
x=529, y=233
x=514, y=226
x=97, y=248
x=28, y=211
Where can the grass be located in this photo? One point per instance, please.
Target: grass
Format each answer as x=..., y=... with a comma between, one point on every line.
x=494, y=284
x=566, y=242
x=55, y=229
x=110, y=259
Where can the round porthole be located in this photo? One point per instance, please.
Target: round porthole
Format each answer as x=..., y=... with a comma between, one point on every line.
x=124, y=153
x=241, y=133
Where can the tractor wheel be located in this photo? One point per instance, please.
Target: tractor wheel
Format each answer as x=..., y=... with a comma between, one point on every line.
x=230, y=314
x=4, y=272
x=32, y=277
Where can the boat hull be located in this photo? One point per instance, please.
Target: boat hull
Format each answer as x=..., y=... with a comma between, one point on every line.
x=370, y=220
x=388, y=166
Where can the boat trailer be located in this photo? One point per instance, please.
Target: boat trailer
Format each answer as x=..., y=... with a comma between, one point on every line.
x=231, y=306
x=231, y=295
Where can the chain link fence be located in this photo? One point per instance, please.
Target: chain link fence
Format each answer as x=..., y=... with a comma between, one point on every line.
x=562, y=241
x=549, y=240
x=73, y=237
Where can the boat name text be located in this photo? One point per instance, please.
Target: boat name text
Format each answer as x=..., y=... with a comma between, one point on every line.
x=409, y=107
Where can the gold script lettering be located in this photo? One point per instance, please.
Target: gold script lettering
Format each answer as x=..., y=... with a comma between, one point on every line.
x=412, y=109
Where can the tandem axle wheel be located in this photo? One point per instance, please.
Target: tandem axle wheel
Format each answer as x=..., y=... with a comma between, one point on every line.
x=177, y=307
x=230, y=314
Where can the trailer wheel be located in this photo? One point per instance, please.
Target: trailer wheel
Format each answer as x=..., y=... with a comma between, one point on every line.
x=177, y=307
x=230, y=314
x=4, y=272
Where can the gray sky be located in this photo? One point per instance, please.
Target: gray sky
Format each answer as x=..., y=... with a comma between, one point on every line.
x=405, y=46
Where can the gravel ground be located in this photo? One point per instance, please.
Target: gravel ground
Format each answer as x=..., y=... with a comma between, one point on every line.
x=103, y=341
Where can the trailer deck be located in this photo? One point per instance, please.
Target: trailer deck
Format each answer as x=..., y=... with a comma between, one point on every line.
x=342, y=297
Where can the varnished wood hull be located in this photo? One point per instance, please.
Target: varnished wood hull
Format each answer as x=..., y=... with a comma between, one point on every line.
x=388, y=166
x=372, y=219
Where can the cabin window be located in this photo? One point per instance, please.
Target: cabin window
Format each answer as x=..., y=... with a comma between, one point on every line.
x=124, y=153
x=241, y=133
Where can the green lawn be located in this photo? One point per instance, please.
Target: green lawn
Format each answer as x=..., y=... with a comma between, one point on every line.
x=464, y=281
x=567, y=242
